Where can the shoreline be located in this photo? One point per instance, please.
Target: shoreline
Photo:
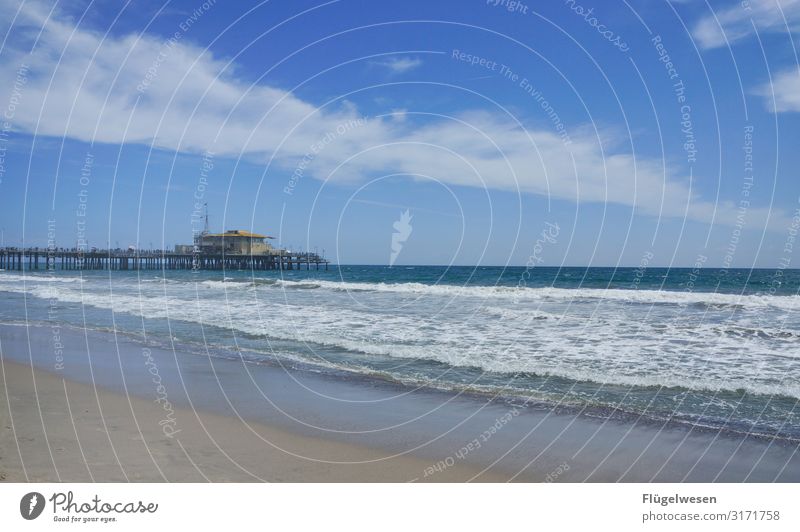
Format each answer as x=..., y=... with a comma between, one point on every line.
x=520, y=400
x=395, y=433
x=119, y=439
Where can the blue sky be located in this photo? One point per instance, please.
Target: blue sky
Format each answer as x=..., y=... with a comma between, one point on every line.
x=321, y=122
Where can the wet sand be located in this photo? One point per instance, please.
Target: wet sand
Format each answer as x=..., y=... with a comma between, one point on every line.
x=109, y=408
x=67, y=431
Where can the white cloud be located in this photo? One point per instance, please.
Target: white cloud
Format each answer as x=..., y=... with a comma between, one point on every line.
x=783, y=94
x=399, y=65
x=195, y=103
x=738, y=22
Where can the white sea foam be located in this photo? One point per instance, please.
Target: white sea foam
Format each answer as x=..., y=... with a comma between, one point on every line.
x=562, y=294
x=511, y=293
x=582, y=334
x=11, y=278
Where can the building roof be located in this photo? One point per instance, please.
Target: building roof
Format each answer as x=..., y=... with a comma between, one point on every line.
x=237, y=233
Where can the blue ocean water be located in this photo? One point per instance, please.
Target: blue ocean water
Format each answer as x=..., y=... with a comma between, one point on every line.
x=718, y=349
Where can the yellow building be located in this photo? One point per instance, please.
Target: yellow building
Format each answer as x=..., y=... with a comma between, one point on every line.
x=235, y=242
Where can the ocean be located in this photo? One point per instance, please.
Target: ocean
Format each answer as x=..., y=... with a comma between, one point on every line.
x=714, y=349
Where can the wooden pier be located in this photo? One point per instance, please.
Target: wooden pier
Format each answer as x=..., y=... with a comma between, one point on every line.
x=70, y=259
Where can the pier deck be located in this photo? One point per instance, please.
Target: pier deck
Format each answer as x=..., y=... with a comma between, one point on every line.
x=71, y=259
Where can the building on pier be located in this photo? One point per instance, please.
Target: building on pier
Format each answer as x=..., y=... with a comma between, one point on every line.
x=232, y=242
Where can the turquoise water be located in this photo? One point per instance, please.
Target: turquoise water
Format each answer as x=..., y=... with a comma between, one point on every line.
x=715, y=348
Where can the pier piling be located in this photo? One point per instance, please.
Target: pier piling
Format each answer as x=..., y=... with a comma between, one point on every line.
x=76, y=259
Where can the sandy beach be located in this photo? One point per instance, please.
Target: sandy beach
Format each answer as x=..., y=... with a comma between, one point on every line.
x=107, y=407
x=67, y=431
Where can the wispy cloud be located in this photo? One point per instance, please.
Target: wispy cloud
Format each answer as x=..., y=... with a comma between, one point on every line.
x=741, y=21
x=783, y=94
x=194, y=102
x=399, y=65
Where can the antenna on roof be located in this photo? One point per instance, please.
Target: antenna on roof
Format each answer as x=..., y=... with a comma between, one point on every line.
x=205, y=227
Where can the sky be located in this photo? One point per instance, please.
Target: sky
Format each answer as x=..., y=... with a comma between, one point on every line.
x=643, y=131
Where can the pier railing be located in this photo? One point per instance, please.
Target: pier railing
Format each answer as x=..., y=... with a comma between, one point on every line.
x=111, y=259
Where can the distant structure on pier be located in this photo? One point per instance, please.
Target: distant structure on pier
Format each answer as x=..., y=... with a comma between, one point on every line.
x=233, y=242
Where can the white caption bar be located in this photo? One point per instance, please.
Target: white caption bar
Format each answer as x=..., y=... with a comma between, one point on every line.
x=398, y=506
